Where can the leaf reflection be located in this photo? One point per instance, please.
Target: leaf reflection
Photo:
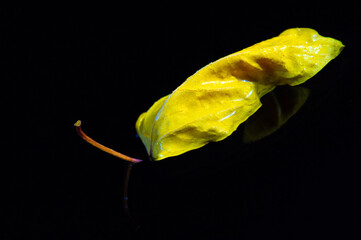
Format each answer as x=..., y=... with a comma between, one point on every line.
x=278, y=106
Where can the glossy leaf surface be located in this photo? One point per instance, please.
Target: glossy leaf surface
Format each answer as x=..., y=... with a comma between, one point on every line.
x=213, y=102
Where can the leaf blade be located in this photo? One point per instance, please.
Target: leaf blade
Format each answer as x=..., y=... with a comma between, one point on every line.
x=211, y=103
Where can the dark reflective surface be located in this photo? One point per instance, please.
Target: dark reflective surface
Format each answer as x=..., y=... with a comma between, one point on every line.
x=277, y=107
x=107, y=64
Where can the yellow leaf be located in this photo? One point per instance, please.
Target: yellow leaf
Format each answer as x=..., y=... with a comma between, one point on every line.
x=213, y=102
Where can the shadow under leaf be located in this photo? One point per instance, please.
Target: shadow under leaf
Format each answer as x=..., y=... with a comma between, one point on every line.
x=278, y=106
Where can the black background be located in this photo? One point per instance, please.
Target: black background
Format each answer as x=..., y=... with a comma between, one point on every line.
x=106, y=64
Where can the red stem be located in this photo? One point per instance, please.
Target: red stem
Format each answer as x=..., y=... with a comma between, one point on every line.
x=102, y=147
